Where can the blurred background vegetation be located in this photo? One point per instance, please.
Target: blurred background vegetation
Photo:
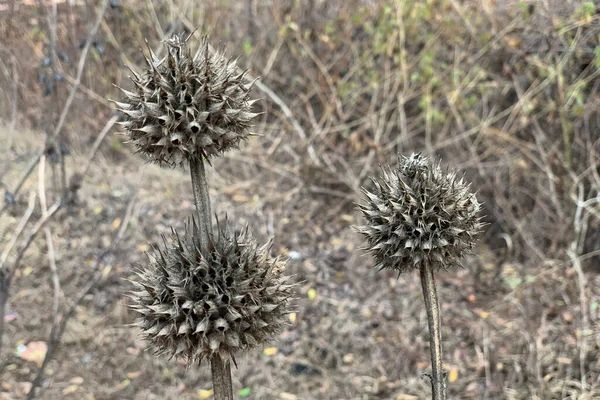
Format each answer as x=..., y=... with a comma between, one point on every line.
x=507, y=91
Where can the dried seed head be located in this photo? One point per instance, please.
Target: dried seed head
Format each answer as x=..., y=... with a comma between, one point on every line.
x=419, y=215
x=198, y=303
x=187, y=106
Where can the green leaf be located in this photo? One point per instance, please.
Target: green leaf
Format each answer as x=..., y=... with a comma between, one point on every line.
x=513, y=282
x=586, y=9
x=247, y=47
x=245, y=392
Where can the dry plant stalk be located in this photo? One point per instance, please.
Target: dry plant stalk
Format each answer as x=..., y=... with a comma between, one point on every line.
x=205, y=295
x=420, y=217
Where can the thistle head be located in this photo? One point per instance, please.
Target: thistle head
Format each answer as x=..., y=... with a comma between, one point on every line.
x=419, y=215
x=185, y=106
x=199, y=303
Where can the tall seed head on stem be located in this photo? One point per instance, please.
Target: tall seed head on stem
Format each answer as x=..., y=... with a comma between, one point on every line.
x=419, y=214
x=187, y=107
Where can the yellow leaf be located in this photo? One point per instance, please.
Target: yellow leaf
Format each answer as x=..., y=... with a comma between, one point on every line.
x=564, y=360
x=97, y=210
x=453, y=375
x=143, y=247
x=106, y=271
x=123, y=384
x=292, y=317
x=312, y=294
x=116, y=223
x=133, y=375
x=27, y=271
x=484, y=314
x=240, y=198
x=205, y=394
x=70, y=389
x=34, y=351
x=270, y=351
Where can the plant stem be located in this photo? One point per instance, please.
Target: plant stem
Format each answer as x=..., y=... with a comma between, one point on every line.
x=200, y=188
x=221, y=377
x=438, y=376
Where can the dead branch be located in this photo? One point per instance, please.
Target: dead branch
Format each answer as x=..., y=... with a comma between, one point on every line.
x=68, y=103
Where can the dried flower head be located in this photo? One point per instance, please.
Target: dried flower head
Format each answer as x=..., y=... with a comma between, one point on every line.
x=198, y=303
x=187, y=107
x=419, y=215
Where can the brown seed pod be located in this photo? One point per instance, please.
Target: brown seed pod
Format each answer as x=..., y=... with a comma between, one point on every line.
x=419, y=214
x=186, y=106
x=199, y=303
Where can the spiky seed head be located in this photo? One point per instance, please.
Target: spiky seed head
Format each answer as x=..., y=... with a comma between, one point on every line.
x=419, y=214
x=196, y=303
x=186, y=106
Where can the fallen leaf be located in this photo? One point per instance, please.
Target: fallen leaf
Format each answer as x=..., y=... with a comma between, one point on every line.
x=312, y=294
x=10, y=317
x=292, y=317
x=406, y=397
x=26, y=387
x=205, y=394
x=34, y=351
x=453, y=375
x=27, y=271
x=116, y=223
x=240, y=198
x=287, y=396
x=133, y=375
x=106, y=271
x=564, y=360
x=78, y=380
x=270, y=351
x=245, y=392
x=124, y=383
x=97, y=210
x=484, y=314
x=70, y=389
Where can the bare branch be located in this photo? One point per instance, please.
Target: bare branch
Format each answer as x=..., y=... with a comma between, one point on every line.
x=68, y=103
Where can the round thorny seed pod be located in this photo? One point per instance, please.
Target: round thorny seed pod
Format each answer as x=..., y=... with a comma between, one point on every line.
x=419, y=215
x=186, y=106
x=199, y=303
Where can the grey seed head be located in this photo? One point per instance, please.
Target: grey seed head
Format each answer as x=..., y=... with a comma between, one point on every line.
x=419, y=214
x=187, y=106
x=196, y=303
